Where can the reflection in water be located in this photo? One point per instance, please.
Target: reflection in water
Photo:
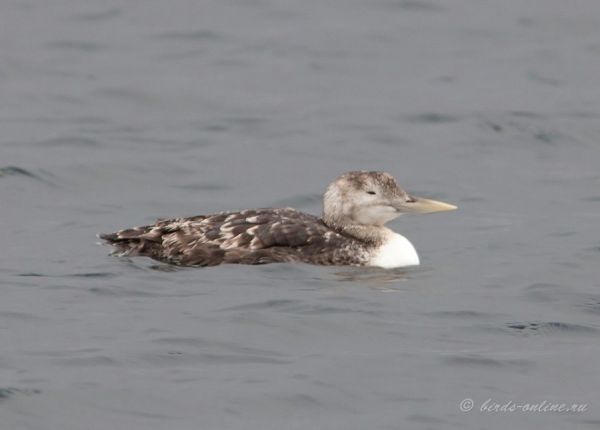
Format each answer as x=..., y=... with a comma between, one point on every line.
x=374, y=276
x=163, y=268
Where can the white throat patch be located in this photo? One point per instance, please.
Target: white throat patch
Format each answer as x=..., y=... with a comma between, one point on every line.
x=396, y=252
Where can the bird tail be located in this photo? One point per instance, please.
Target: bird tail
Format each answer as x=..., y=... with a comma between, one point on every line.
x=131, y=241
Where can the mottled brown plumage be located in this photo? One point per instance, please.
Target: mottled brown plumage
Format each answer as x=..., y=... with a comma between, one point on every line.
x=254, y=236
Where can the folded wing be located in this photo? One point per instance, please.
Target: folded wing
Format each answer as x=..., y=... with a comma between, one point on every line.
x=254, y=236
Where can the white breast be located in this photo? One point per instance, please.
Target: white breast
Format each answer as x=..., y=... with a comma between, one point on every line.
x=396, y=252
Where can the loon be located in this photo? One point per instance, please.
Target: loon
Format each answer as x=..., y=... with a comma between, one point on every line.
x=356, y=207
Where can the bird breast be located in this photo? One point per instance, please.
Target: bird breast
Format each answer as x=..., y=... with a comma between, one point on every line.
x=397, y=251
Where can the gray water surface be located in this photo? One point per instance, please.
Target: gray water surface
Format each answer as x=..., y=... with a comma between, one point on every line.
x=116, y=113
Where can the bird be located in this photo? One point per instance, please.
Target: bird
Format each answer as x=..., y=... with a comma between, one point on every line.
x=350, y=232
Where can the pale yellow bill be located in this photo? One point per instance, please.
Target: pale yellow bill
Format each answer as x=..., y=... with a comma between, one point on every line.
x=426, y=206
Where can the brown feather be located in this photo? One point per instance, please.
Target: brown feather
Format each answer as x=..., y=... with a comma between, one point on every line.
x=256, y=236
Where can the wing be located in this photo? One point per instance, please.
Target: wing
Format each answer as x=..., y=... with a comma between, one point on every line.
x=251, y=236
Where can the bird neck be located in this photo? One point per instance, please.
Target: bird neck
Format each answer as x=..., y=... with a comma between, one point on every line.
x=370, y=234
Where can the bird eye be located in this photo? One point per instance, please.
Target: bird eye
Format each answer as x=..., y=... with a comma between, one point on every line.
x=371, y=192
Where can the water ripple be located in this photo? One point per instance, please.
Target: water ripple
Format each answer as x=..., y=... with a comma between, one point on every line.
x=18, y=171
x=432, y=118
x=6, y=392
x=418, y=5
x=298, y=307
x=550, y=327
x=189, y=35
x=460, y=314
x=75, y=141
x=99, y=16
x=97, y=360
x=69, y=275
x=268, y=304
x=593, y=305
x=203, y=186
x=75, y=45
x=483, y=361
x=192, y=350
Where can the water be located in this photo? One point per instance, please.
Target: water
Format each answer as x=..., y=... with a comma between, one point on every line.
x=117, y=113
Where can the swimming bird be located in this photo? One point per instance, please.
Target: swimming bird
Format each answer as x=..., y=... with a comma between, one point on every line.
x=351, y=231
